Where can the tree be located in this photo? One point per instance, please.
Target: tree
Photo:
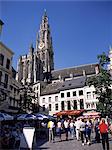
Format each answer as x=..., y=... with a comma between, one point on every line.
x=102, y=83
x=27, y=99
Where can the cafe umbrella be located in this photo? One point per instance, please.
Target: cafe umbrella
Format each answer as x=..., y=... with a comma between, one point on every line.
x=26, y=117
x=5, y=116
x=41, y=116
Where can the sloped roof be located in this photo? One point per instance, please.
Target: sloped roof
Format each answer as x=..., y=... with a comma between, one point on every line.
x=65, y=85
x=75, y=71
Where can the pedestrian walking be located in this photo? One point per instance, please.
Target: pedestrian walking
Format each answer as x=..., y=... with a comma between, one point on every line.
x=104, y=134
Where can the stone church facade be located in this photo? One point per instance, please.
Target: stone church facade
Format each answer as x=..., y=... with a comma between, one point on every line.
x=38, y=64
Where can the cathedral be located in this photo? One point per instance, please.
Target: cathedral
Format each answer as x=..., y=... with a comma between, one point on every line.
x=38, y=64
x=55, y=90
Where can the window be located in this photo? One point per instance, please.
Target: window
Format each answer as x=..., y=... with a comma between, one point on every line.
x=43, y=56
x=74, y=93
x=37, y=95
x=56, y=106
x=49, y=107
x=93, y=105
x=75, y=104
x=0, y=77
x=62, y=95
x=11, y=87
x=8, y=64
x=56, y=98
x=81, y=104
x=81, y=92
x=43, y=100
x=43, y=107
x=62, y=105
x=88, y=95
x=5, y=81
x=68, y=104
x=14, y=90
x=49, y=99
x=88, y=105
x=68, y=94
x=94, y=94
x=43, y=63
x=1, y=59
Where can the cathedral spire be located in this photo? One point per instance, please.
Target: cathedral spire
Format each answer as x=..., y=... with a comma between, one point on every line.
x=31, y=49
x=45, y=12
x=45, y=49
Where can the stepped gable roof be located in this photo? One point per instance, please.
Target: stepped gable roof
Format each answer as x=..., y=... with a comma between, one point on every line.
x=75, y=71
x=65, y=85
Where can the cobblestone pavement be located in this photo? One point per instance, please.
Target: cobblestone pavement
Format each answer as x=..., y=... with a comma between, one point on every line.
x=68, y=145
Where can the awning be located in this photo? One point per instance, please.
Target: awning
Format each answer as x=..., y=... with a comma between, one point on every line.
x=70, y=112
x=92, y=114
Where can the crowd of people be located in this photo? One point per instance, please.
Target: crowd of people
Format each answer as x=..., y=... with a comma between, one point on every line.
x=81, y=129
x=78, y=129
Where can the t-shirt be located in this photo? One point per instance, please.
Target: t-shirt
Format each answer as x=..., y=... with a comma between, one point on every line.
x=51, y=124
x=103, y=128
x=66, y=124
x=59, y=124
x=77, y=124
x=82, y=126
x=71, y=124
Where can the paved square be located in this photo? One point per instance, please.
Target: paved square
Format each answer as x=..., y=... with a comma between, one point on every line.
x=69, y=145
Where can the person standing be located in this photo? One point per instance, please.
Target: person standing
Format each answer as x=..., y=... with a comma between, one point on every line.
x=77, y=127
x=66, y=126
x=72, y=128
x=96, y=129
x=51, y=127
x=83, y=131
x=59, y=127
x=88, y=131
x=103, y=127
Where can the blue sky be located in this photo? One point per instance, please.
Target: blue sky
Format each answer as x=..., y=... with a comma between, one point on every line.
x=80, y=29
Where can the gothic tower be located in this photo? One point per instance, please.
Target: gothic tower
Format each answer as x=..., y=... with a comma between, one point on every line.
x=37, y=65
x=44, y=48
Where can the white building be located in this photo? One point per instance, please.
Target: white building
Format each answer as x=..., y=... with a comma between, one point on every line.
x=70, y=93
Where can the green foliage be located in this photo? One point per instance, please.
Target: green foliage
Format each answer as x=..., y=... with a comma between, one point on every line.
x=26, y=99
x=102, y=83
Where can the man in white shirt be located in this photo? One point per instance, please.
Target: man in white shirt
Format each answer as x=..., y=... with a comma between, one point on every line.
x=77, y=125
x=66, y=126
x=83, y=131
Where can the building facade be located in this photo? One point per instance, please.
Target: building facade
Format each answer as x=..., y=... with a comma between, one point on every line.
x=69, y=92
x=9, y=93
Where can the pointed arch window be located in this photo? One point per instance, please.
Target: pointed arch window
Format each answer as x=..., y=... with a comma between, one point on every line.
x=43, y=55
